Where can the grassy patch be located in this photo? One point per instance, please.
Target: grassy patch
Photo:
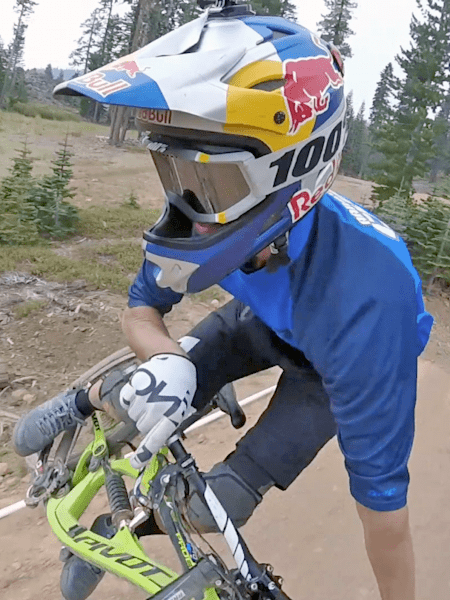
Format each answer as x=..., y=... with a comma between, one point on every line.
x=13, y=123
x=108, y=265
x=124, y=255
x=23, y=310
x=46, y=111
x=43, y=262
x=98, y=222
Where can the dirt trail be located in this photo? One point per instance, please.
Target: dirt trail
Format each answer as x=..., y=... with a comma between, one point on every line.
x=310, y=533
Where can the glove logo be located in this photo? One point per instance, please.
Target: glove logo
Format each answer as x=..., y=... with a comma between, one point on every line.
x=153, y=393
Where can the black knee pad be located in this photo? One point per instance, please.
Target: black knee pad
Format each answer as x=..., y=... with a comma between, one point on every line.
x=236, y=496
x=110, y=390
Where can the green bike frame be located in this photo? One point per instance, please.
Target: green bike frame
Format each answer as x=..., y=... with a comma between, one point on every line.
x=122, y=555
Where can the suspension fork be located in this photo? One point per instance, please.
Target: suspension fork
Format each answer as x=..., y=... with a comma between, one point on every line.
x=255, y=575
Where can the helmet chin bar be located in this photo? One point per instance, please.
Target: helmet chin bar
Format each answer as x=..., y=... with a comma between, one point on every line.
x=173, y=274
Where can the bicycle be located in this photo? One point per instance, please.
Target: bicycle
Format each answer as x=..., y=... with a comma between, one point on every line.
x=67, y=483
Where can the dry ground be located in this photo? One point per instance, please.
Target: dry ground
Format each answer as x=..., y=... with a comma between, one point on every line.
x=309, y=533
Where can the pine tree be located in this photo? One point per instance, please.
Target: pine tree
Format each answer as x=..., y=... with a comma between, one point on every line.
x=441, y=160
x=56, y=217
x=382, y=110
x=356, y=152
x=15, y=51
x=430, y=232
x=86, y=44
x=18, y=223
x=425, y=227
x=279, y=8
x=335, y=25
x=406, y=141
x=3, y=62
x=49, y=73
x=350, y=120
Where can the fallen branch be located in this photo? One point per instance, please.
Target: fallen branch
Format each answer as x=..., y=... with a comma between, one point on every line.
x=8, y=415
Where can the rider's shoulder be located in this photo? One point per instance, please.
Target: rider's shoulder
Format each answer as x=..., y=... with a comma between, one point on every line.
x=357, y=217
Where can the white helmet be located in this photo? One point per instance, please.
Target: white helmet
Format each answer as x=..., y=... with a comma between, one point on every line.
x=245, y=120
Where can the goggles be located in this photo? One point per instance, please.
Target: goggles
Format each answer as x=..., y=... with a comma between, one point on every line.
x=221, y=183
x=218, y=184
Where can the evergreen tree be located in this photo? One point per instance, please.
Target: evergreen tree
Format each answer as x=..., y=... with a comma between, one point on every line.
x=56, y=217
x=382, y=110
x=430, y=232
x=49, y=73
x=426, y=229
x=356, y=151
x=18, y=223
x=15, y=51
x=441, y=160
x=3, y=63
x=279, y=8
x=335, y=24
x=350, y=119
x=86, y=45
x=406, y=141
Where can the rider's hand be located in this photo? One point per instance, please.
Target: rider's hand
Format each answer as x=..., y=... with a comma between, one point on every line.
x=158, y=398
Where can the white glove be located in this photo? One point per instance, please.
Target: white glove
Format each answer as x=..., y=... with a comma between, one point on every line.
x=158, y=398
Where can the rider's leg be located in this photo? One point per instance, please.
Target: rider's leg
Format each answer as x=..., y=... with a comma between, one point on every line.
x=232, y=343
x=38, y=428
x=295, y=426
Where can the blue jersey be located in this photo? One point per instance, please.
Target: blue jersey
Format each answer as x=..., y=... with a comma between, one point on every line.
x=351, y=301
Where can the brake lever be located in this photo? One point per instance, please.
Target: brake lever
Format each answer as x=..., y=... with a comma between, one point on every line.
x=226, y=400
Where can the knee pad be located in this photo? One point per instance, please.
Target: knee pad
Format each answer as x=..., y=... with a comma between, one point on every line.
x=110, y=391
x=236, y=496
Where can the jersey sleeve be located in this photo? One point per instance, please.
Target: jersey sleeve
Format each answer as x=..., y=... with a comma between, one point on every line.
x=144, y=291
x=361, y=337
x=372, y=387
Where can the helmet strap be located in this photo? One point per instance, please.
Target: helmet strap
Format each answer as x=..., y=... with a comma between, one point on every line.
x=278, y=253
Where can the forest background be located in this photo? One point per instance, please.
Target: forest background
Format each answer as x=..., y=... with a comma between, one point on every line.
x=403, y=147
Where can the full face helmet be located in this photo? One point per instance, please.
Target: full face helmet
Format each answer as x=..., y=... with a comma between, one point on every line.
x=244, y=117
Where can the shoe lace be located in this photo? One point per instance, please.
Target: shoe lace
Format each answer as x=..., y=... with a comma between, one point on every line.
x=57, y=420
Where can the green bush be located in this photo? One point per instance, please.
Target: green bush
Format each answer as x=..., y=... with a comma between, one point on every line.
x=425, y=227
x=45, y=111
x=42, y=261
x=31, y=208
x=98, y=222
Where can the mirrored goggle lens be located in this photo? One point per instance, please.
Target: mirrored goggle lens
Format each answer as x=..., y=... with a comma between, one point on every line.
x=217, y=186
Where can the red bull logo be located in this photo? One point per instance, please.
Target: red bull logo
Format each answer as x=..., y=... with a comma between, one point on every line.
x=129, y=67
x=306, y=90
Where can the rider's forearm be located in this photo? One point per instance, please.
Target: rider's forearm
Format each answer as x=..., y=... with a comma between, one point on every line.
x=390, y=551
x=146, y=333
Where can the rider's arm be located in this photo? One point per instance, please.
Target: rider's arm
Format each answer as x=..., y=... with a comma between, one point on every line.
x=363, y=340
x=389, y=548
x=146, y=333
x=142, y=321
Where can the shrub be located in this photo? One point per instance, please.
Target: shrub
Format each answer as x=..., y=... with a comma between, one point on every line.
x=45, y=111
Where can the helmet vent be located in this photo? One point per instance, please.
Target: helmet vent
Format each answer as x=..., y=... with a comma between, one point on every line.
x=269, y=86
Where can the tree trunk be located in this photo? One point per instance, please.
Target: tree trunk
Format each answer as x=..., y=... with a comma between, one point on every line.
x=120, y=114
x=10, y=75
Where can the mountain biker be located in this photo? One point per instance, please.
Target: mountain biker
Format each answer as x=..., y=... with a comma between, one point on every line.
x=245, y=121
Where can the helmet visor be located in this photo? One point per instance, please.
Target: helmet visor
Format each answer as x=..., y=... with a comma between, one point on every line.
x=217, y=186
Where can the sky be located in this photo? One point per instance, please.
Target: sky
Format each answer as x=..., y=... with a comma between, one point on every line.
x=381, y=28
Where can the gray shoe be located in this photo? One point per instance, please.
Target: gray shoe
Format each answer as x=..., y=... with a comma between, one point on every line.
x=37, y=429
x=79, y=578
